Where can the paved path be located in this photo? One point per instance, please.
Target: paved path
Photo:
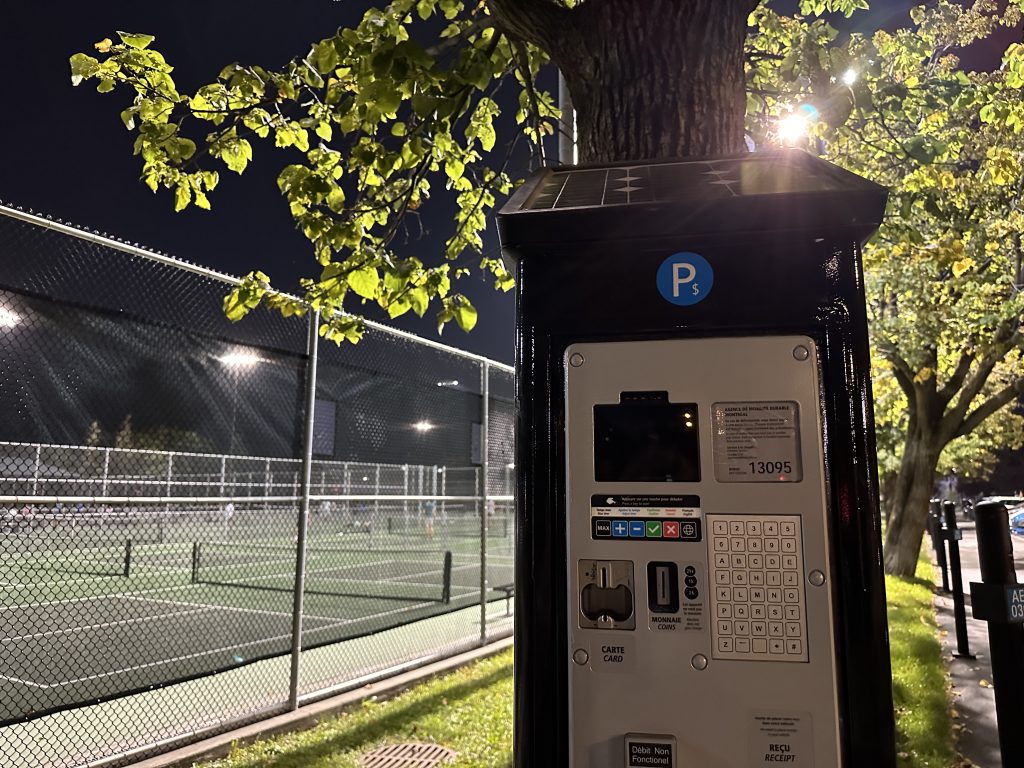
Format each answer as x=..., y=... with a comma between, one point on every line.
x=972, y=678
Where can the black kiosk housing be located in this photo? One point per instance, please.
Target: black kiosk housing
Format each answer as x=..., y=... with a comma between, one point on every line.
x=781, y=234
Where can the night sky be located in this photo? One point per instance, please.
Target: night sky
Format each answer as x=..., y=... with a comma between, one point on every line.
x=66, y=153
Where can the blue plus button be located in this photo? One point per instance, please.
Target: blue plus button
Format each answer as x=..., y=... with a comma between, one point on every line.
x=620, y=529
x=637, y=529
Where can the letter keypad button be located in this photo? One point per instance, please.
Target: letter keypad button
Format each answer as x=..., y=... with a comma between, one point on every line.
x=759, y=600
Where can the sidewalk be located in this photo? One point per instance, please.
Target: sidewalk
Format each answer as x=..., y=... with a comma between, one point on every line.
x=973, y=697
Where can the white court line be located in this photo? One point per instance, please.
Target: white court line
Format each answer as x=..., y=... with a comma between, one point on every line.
x=24, y=682
x=103, y=625
x=207, y=652
x=228, y=608
x=87, y=598
x=76, y=580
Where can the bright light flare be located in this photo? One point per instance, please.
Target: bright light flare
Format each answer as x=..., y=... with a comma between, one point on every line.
x=423, y=426
x=850, y=76
x=792, y=128
x=8, y=318
x=240, y=359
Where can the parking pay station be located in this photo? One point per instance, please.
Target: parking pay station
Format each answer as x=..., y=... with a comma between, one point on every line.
x=699, y=579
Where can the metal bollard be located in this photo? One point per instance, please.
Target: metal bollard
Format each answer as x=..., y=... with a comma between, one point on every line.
x=933, y=531
x=953, y=535
x=993, y=601
x=940, y=543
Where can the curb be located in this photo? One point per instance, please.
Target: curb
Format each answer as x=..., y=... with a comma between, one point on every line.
x=311, y=714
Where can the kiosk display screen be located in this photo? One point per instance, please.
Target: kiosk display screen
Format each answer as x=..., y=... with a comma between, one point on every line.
x=645, y=438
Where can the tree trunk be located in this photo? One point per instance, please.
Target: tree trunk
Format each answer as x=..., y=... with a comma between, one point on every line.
x=913, y=490
x=649, y=80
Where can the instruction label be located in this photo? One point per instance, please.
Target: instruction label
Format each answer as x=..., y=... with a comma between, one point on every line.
x=781, y=739
x=756, y=442
x=605, y=505
x=614, y=656
x=644, y=751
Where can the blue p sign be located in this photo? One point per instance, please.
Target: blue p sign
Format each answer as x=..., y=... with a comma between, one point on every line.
x=685, y=278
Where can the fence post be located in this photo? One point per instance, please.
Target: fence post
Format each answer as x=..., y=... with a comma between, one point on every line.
x=405, y=502
x=169, y=491
x=106, y=471
x=35, y=471
x=940, y=543
x=482, y=499
x=304, y=480
x=963, y=646
x=1005, y=640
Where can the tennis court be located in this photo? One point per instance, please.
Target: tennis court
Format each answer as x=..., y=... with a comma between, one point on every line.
x=143, y=615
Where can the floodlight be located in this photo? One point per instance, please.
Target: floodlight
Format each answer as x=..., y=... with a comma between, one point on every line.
x=240, y=359
x=8, y=318
x=423, y=426
x=850, y=76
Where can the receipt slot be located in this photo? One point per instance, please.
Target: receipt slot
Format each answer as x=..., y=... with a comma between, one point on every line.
x=698, y=560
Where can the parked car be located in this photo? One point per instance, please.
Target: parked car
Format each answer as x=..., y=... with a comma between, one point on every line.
x=1017, y=523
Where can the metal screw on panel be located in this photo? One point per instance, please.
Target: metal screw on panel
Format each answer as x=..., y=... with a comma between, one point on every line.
x=817, y=578
x=699, y=662
x=575, y=359
x=580, y=656
x=801, y=353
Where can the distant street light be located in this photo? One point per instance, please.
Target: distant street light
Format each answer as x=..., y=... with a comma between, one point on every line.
x=8, y=318
x=452, y=383
x=423, y=426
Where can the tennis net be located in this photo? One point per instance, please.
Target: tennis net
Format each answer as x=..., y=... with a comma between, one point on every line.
x=383, y=574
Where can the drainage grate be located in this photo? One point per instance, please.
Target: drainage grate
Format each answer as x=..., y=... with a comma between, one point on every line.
x=407, y=756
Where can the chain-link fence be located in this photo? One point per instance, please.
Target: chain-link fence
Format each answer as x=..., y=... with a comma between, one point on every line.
x=195, y=532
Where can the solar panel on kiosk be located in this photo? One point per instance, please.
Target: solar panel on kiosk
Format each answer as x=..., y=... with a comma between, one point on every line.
x=677, y=182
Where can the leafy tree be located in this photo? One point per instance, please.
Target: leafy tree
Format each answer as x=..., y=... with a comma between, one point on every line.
x=125, y=437
x=375, y=118
x=94, y=437
x=943, y=276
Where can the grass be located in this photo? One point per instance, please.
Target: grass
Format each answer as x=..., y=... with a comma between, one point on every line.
x=470, y=710
x=924, y=726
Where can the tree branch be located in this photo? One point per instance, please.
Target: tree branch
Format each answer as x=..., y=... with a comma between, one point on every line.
x=904, y=376
x=955, y=381
x=533, y=21
x=973, y=420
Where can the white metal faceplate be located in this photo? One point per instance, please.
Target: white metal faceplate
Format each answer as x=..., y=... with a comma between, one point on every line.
x=728, y=658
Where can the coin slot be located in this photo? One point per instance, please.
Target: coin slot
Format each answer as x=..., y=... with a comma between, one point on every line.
x=663, y=587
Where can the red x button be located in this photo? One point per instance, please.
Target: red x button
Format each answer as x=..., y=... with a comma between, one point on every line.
x=670, y=529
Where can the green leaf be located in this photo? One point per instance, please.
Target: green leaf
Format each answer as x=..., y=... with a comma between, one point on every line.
x=364, y=281
x=135, y=40
x=182, y=196
x=465, y=314
x=325, y=56
x=454, y=168
x=236, y=154
x=82, y=66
